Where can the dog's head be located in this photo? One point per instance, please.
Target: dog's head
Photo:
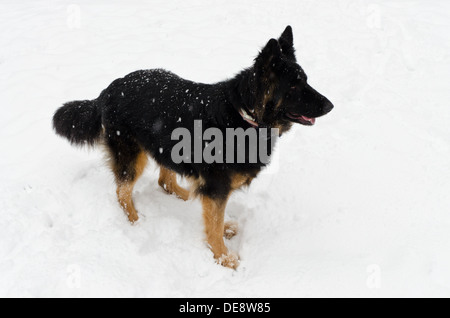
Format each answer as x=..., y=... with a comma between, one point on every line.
x=281, y=93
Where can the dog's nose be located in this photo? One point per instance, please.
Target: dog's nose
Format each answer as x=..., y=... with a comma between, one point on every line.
x=327, y=107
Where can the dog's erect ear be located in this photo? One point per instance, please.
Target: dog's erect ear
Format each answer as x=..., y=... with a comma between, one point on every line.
x=286, y=41
x=269, y=53
x=286, y=37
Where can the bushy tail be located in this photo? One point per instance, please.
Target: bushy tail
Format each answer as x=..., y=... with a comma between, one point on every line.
x=79, y=121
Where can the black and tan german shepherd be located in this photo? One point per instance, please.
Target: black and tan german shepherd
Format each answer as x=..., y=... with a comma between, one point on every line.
x=136, y=115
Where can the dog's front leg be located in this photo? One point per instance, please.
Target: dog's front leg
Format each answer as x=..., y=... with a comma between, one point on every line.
x=213, y=216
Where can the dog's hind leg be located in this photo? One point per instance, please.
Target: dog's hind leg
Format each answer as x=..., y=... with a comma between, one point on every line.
x=128, y=161
x=168, y=181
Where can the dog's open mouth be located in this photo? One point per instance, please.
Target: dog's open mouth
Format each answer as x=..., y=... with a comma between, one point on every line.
x=301, y=119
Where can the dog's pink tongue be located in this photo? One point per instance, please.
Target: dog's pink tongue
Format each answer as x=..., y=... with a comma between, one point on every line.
x=311, y=120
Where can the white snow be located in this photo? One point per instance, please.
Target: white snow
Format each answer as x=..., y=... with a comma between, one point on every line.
x=357, y=205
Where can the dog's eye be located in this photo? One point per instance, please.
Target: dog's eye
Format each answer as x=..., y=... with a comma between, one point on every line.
x=288, y=94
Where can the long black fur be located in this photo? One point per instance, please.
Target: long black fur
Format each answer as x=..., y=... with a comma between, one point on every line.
x=79, y=121
x=140, y=111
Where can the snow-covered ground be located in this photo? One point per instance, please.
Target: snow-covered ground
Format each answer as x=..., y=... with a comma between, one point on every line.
x=357, y=205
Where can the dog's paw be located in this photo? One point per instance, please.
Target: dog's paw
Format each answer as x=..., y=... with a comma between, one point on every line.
x=230, y=230
x=231, y=260
x=133, y=218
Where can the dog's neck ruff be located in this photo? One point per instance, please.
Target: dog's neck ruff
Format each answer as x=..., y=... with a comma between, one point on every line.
x=248, y=118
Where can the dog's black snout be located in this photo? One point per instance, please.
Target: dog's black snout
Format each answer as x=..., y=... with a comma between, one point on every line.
x=327, y=107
